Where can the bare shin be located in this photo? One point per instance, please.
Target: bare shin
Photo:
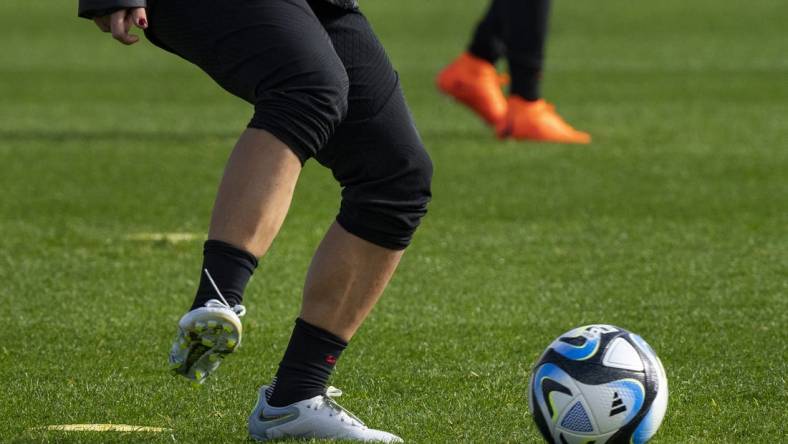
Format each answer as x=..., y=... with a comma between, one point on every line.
x=345, y=280
x=255, y=192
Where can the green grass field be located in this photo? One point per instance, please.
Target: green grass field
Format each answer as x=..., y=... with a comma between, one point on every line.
x=673, y=224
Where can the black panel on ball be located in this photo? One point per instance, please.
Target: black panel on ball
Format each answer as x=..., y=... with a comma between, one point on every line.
x=541, y=423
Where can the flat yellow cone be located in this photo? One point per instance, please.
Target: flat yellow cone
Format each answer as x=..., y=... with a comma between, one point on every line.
x=104, y=428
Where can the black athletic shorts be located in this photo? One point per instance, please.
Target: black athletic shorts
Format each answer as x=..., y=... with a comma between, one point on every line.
x=321, y=82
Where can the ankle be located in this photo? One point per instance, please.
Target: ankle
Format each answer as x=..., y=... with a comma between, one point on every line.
x=226, y=270
x=307, y=365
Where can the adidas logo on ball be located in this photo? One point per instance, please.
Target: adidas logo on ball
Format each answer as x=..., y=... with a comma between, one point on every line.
x=618, y=405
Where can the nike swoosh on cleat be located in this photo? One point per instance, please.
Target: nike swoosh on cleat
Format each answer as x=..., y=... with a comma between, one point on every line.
x=264, y=417
x=274, y=420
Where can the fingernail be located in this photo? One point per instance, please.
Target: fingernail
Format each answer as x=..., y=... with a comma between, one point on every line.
x=143, y=23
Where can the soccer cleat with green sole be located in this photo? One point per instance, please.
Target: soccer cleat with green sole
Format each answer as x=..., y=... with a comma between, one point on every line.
x=205, y=335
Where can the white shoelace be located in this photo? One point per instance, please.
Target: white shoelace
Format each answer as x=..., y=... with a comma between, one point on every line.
x=239, y=309
x=328, y=400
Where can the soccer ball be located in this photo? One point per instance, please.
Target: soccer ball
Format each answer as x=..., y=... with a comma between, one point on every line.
x=598, y=384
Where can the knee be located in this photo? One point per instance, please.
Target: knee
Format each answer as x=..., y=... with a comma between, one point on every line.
x=327, y=90
x=305, y=111
x=418, y=177
x=386, y=206
x=408, y=182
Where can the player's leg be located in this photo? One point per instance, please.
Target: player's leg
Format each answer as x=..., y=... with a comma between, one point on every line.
x=378, y=158
x=255, y=192
x=525, y=26
x=487, y=41
x=296, y=103
x=277, y=56
x=529, y=117
x=472, y=78
x=345, y=280
x=251, y=205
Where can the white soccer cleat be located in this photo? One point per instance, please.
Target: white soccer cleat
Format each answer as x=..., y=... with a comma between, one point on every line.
x=205, y=336
x=319, y=417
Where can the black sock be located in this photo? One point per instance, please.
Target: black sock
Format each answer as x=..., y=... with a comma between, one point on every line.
x=230, y=268
x=517, y=29
x=486, y=42
x=526, y=82
x=306, y=366
x=525, y=35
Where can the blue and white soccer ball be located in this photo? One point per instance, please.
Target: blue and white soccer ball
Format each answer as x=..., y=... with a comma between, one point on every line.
x=598, y=384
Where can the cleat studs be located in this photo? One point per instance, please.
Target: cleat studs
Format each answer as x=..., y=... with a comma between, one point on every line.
x=231, y=343
x=212, y=324
x=207, y=342
x=213, y=358
x=198, y=376
x=199, y=326
x=227, y=328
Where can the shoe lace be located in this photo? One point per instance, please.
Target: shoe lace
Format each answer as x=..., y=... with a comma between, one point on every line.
x=239, y=309
x=328, y=400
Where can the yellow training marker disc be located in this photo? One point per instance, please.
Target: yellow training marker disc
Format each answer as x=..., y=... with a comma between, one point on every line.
x=104, y=428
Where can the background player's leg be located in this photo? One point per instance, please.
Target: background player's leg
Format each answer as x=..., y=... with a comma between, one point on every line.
x=525, y=34
x=472, y=78
x=487, y=40
x=528, y=116
x=518, y=28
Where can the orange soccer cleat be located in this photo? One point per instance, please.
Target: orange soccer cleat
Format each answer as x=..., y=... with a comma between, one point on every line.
x=537, y=120
x=475, y=83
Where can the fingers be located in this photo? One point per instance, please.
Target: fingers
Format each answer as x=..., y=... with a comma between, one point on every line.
x=102, y=23
x=139, y=17
x=120, y=25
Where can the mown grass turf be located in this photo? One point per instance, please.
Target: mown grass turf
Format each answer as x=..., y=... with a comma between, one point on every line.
x=672, y=224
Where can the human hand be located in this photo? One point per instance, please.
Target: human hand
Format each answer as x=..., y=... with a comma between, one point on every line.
x=119, y=23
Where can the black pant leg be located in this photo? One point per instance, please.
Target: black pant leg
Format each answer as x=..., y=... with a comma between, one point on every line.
x=525, y=35
x=275, y=54
x=376, y=154
x=487, y=42
x=518, y=29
